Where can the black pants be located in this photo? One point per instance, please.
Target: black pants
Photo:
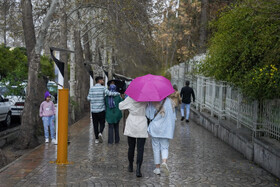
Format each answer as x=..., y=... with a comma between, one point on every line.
x=140, y=149
x=113, y=127
x=98, y=119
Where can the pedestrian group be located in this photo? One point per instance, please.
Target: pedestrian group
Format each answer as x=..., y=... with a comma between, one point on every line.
x=149, y=113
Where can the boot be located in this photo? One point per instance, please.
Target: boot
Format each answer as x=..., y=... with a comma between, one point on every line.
x=138, y=171
x=130, y=167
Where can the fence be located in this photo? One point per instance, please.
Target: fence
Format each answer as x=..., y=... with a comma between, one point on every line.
x=226, y=102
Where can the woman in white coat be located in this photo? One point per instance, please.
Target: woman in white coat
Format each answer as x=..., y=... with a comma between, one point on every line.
x=135, y=130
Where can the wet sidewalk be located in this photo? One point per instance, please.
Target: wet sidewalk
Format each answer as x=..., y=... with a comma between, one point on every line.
x=197, y=158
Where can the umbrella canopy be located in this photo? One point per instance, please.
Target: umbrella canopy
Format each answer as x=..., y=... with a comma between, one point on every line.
x=149, y=88
x=121, y=86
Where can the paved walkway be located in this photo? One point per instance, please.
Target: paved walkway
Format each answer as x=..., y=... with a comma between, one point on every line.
x=197, y=158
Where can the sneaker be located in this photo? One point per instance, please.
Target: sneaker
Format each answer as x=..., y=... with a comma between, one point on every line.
x=182, y=118
x=96, y=141
x=46, y=140
x=157, y=171
x=54, y=141
x=187, y=121
x=100, y=137
x=165, y=168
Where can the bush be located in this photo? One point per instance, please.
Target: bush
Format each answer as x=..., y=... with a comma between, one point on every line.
x=245, y=48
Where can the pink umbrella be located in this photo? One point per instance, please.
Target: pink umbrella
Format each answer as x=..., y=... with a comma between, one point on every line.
x=149, y=88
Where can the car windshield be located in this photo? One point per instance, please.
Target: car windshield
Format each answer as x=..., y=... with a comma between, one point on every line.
x=52, y=87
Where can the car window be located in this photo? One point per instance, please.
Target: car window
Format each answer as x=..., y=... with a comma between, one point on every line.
x=52, y=87
x=15, y=91
x=4, y=90
x=1, y=98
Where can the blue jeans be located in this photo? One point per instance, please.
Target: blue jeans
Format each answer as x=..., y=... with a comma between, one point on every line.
x=160, y=145
x=188, y=106
x=176, y=110
x=49, y=122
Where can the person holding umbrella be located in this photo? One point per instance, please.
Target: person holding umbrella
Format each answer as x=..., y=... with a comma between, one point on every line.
x=161, y=129
x=141, y=90
x=135, y=130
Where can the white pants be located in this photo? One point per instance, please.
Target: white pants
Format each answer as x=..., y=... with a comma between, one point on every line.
x=160, y=145
x=188, y=106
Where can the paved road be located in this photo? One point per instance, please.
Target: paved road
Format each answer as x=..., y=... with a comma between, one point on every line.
x=15, y=123
x=197, y=158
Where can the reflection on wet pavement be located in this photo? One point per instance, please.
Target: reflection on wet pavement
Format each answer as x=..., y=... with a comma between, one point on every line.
x=196, y=158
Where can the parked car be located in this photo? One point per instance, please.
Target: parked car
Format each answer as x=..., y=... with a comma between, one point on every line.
x=16, y=96
x=52, y=88
x=5, y=111
x=16, y=99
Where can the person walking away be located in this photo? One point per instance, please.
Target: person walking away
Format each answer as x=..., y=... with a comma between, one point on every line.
x=186, y=93
x=135, y=130
x=96, y=96
x=113, y=115
x=176, y=99
x=47, y=112
x=161, y=129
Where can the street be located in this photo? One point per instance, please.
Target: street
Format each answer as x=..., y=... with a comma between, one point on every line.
x=15, y=123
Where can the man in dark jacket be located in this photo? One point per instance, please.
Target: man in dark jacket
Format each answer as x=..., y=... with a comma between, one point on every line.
x=186, y=93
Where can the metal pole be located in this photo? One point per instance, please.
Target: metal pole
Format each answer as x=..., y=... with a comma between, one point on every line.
x=59, y=86
x=63, y=96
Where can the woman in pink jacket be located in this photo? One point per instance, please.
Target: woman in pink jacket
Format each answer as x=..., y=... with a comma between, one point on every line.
x=47, y=112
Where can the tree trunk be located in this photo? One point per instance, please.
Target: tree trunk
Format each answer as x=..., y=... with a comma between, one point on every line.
x=203, y=25
x=79, y=74
x=27, y=137
x=63, y=41
x=110, y=64
x=72, y=81
x=173, y=53
x=5, y=12
x=88, y=59
x=36, y=84
x=86, y=42
x=28, y=27
x=104, y=57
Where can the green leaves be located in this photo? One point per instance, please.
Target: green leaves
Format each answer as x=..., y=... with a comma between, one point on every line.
x=13, y=62
x=47, y=67
x=14, y=68
x=246, y=39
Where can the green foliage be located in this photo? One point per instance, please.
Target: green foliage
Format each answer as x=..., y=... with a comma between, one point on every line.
x=12, y=61
x=14, y=68
x=263, y=82
x=245, y=48
x=47, y=67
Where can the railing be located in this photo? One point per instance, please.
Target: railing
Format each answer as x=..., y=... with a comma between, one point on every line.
x=226, y=102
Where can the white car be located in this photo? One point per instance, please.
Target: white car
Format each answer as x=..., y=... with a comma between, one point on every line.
x=5, y=111
x=17, y=101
